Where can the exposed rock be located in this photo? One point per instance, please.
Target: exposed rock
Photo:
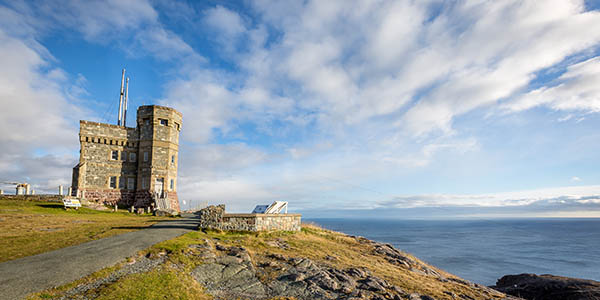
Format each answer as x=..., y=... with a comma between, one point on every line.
x=542, y=287
x=373, y=284
x=278, y=243
x=230, y=276
x=165, y=213
x=399, y=258
x=233, y=275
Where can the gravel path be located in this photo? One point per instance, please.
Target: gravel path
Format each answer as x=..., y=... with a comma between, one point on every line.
x=36, y=273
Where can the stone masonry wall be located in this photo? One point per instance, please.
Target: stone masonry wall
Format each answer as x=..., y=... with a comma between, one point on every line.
x=110, y=196
x=128, y=165
x=285, y=222
x=92, y=181
x=214, y=217
x=40, y=197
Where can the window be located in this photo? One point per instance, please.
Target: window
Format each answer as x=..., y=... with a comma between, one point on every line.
x=145, y=155
x=114, y=155
x=164, y=122
x=146, y=121
x=130, y=183
x=177, y=126
x=121, y=182
x=113, y=182
x=172, y=159
x=124, y=156
x=172, y=185
x=144, y=183
x=132, y=156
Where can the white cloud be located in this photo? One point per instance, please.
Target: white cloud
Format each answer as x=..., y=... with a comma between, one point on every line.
x=133, y=26
x=238, y=194
x=37, y=116
x=352, y=91
x=211, y=161
x=560, y=195
x=382, y=81
x=206, y=103
x=101, y=21
x=577, y=90
x=354, y=62
x=164, y=44
x=575, y=179
x=225, y=21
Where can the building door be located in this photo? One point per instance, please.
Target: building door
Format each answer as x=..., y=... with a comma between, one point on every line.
x=159, y=186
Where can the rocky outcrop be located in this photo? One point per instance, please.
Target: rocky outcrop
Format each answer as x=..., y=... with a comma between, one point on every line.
x=230, y=273
x=548, y=287
x=315, y=264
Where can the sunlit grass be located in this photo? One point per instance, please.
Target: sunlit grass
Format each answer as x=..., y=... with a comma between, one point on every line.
x=29, y=228
x=161, y=283
x=321, y=245
x=172, y=280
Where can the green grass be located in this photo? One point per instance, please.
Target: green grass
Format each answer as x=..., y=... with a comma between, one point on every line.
x=161, y=283
x=29, y=228
x=172, y=280
x=316, y=243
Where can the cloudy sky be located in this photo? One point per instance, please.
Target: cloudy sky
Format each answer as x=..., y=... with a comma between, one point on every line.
x=372, y=108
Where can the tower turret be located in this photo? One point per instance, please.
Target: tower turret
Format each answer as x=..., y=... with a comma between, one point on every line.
x=159, y=128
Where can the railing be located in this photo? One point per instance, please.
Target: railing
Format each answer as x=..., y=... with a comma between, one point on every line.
x=162, y=201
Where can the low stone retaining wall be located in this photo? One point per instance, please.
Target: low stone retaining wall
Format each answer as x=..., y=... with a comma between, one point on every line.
x=214, y=217
x=41, y=197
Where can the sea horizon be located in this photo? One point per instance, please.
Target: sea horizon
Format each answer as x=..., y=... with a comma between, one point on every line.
x=484, y=250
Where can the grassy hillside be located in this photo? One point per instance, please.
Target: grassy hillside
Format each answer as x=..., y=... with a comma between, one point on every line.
x=29, y=227
x=266, y=258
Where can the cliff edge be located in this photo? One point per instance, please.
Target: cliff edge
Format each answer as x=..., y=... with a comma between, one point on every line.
x=314, y=263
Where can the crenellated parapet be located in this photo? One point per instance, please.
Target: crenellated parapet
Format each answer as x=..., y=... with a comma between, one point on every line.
x=130, y=165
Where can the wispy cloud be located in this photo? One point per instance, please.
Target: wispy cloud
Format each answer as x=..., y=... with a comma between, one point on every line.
x=326, y=102
x=539, y=197
x=575, y=91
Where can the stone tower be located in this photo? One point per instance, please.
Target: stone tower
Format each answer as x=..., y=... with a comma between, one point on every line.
x=130, y=166
x=159, y=128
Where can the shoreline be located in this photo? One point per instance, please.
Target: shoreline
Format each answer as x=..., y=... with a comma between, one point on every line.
x=456, y=246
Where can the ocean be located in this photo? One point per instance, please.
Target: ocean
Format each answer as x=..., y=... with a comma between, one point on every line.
x=482, y=251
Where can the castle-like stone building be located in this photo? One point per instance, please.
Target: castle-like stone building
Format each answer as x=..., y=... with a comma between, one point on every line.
x=130, y=166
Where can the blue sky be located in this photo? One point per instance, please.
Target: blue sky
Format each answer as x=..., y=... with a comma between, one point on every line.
x=470, y=108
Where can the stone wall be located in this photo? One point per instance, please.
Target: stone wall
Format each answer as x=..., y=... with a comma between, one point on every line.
x=41, y=198
x=285, y=222
x=139, y=162
x=159, y=129
x=214, y=217
x=110, y=196
x=91, y=178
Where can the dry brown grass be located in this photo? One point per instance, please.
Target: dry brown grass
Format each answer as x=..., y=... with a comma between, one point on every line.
x=29, y=228
x=317, y=243
x=312, y=242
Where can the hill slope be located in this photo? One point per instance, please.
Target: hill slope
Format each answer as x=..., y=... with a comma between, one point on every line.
x=312, y=264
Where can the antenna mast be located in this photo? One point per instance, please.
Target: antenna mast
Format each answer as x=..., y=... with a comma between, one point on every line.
x=126, y=100
x=121, y=99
